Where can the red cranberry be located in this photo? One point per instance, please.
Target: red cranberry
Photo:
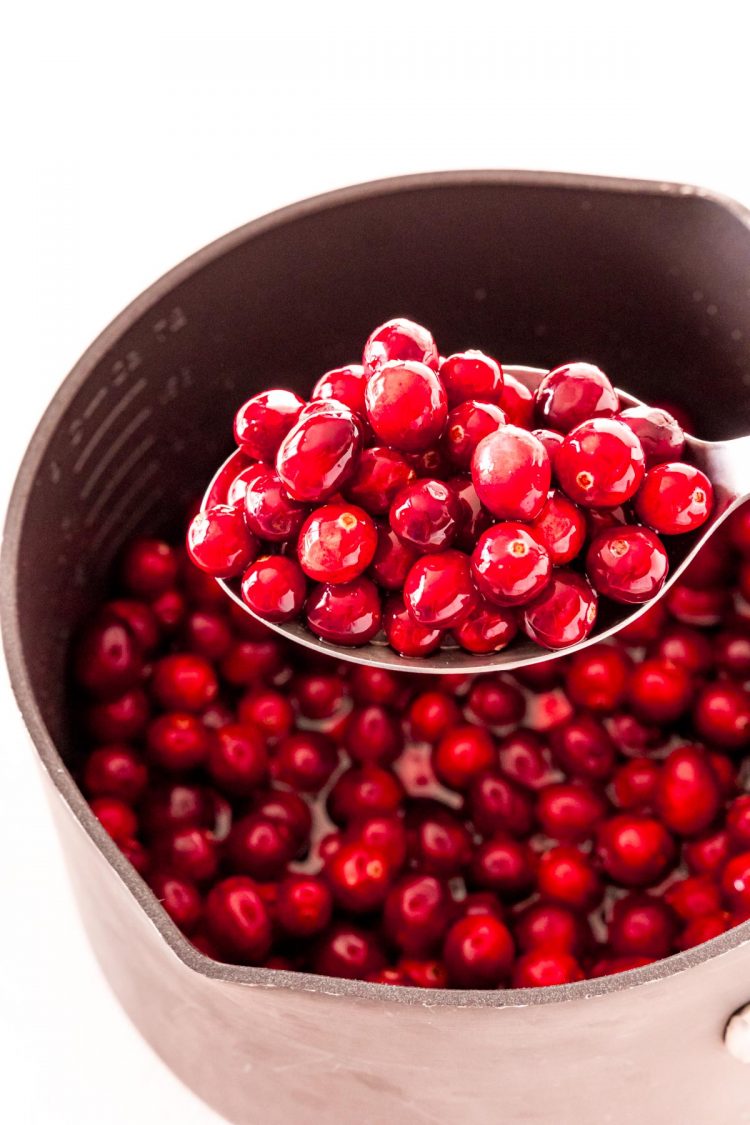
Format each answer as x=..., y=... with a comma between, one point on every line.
x=306, y=760
x=250, y=661
x=135, y=853
x=431, y=464
x=184, y=682
x=509, y=565
x=738, y=822
x=237, y=920
x=511, y=473
x=116, y=817
x=688, y=793
x=549, y=926
x=471, y=375
x=541, y=968
x=373, y=685
x=694, y=896
x=189, y=852
x=566, y=875
x=702, y=929
x=177, y=741
x=607, y=966
x=264, y=421
x=635, y=784
x=423, y=974
x=473, y=518
x=383, y=834
x=439, y=591
x=174, y=806
x=462, y=754
x=138, y=618
x=487, y=629
x=304, y=905
x=583, y=748
x=318, y=695
x=287, y=809
x=597, y=678
x=318, y=455
x=517, y=401
x=495, y=701
x=392, y=560
x=660, y=692
x=207, y=634
x=636, y=851
x=563, y=614
x=108, y=660
x=523, y=759
x=660, y=434
x=674, y=498
x=707, y=854
x=406, y=405
x=373, y=734
x=345, y=614
x=379, y=476
x=399, y=339
x=738, y=526
x=574, y=393
x=600, y=463
x=642, y=926
x=169, y=609
x=416, y=914
x=180, y=898
x=478, y=952
x=349, y=952
x=712, y=566
x=628, y=564
x=237, y=760
x=235, y=494
x=504, y=865
x=219, y=541
x=115, y=771
x=270, y=512
x=336, y=543
x=735, y=882
x=467, y=424
x=431, y=714
x=570, y=813
x=439, y=844
x=721, y=714
x=426, y=515
x=343, y=384
x=646, y=627
x=495, y=804
x=732, y=653
x=702, y=608
x=404, y=634
x=480, y=902
x=362, y=792
x=551, y=440
x=274, y=587
x=259, y=847
x=149, y=568
x=359, y=877
x=560, y=527
x=679, y=644
x=631, y=736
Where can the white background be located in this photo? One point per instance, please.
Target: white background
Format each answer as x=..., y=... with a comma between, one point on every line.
x=132, y=135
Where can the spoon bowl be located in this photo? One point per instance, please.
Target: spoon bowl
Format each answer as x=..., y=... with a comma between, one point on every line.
x=725, y=463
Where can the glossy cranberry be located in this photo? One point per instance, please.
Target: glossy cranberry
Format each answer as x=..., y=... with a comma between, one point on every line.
x=688, y=794
x=487, y=629
x=345, y=614
x=635, y=785
x=348, y=951
x=462, y=754
x=336, y=543
x=707, y=854
x=379, y=475
x=478, y=952
x=597, y=678
x=504, y=865
x=305, y=760
x=702, y=929
x=660, y=692
x=343, y=384
x=563, y=614
x=116, y=817
x=495, y=701
x=179, y=897
x=496, y=805
x=138, y=618
x=738, y=822
x=237, y=920
x=373, y=734
x=660, y=434
x=318, y=695
x=680, y=644
x=270, y=513
x=438, y=842
x=517, y=401
x=416, y=914
x=574, y=393
x=510, y=566
x=738, y=526
x=406, y=405
x=149, y=567
x=423, y=973
x=426, y=515
x=480, y=902
x=172, y=806
x=564, y=874
x=674, y=498
x=169, y=609
x=721, y=715
x=473, y=519
x=726, y=772
x=541, y=968
x=600, y=464
x=511, y=473
x=362, y=792
x=404, y=634
x=607, y=966
x=570, y=813
x=583, y=748
x=189, y=852
x=220, y=542
x=237, y=760
x=184, y=682
x=631, y=736
x=735, y=882
x=237, y=490
x=383, y=834
x=636, y=851
x=694, y=896
x=430, y=464
x=392, y=560
x=304, y=905
x=177, y=741
x=642, y=926
x=732, y=653
x=647, y=627
x=264, y=421
x=359, y=876
x=702, y=608
x=259, y=847
x=439, y=591
x=108, y=659
x=471, y=375
x=467, y=424
x=207, y=633
x=115, y=771
x=523, y=758
x=431, y=714
x=287, y=809
x=560, y=527
x=368, y=684
x=628, y=564
x=551, y=440
x=275, y=588
x=318, y=455
x=250, y=661
x=399, y=339
x=549, y=926
x=135, y=853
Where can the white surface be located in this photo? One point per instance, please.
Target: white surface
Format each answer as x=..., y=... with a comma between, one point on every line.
x=136, y=135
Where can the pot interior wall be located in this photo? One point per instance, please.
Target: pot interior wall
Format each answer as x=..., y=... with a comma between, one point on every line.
x=652, y=286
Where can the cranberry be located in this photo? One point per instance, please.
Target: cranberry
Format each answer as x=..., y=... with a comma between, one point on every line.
x=108, y=660
x=172, y=806
x=495, y=701
x=679, y=644
x=563, y=614
x=399, y=339
x=304, y=905
x=462, y=754
x=180, y=898
x=566, y=875
x=636, y=851
x=431, y=714
x=439, y=591
x=249, y=661
x=364, y=791
x=560, y=527
x=674, y=498
x=646, y=627
x=237, y=491
x=509, y=565
x=318, y=455
x=702, y=608
x=583, y=748
x=392, y=560
x=478, y=952
x=467, y=424
x=517, y=401
x=438, y=842
x=504, y=865
x=149, y=567
x=660, y=434
x=348, y=951
x=336, y=543
x=219, y=542
x=259, y=847
x=270, y=512
x=707, y=854
x=606, y=966
x=738, y=526
x=383, y=834
x=523, y=758
x=628, y=564
x=115, y=771
x=495, y=804
x=274, y=588
x=359, y=877
x=660, y=692
x=721, y=714
x=404, y=634
x=631, y=736
x=694, y=896
x=189, y=852
x=306, y=760
x=738, y=822
x=184, y=682
x=264, y=421
x=635, y=784
x=642, y=926
x=597, y=678
x=430, y=463
x=473, y=518
x=169, y=609
x=551, y=440
x=406, y=405
x=511, y=473
x=116, y=817
x=207, y=634
x=416, y=914
x=373, y=685
x=318, y=695
x=135, y=853
x=688, y=793
x=380, y=474
x=288, y=809
x=237, y=759
x=574, y=393
x=549, y=926
x=343, y=384
x=138, y=618
x=424, y=974
x=702, y=929
x=471, y=375
x=570, y=813
x=177, y=741
x=487, y=629
x=237, y=920
x=345, y=614
x=426, y=515
x=600, y=464
x=541, y=968
x=373, y=734
x=732, y=653
x=735, y=882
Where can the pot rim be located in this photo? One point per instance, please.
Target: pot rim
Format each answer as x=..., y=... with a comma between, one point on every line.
x=51, y=760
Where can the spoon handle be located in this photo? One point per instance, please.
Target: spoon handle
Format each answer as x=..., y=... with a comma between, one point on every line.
x=727, y=464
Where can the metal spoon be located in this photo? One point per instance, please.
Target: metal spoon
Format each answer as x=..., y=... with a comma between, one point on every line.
x=727, y=465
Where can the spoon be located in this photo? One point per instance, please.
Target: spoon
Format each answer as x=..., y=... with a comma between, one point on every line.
x=725, y=463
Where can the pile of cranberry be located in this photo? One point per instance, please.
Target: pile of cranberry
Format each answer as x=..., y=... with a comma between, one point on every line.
x=581, y=817
x=416, y=497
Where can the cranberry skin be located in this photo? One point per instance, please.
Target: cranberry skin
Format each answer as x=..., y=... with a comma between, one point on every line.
x=659, y=433
x=336, y=543
x=732, y=653
x=373, y=734
x=467, y=424
x=702, y=929
x=138, y=618
x=177, y=741
x=404, y=634
x=416, y=914
x=549, y=926
x=563, y=614
x=693, y=897
x=478, y=952
x=168, y=807
x=169, y=609
x=495, y=805
x=738, y=822
x=570, y=813
x=560, y=527
x=149, y=568
x=642, y=926
x=574, y=393
x=688, y=794
x=600, y=464
x=635, y=785
x=495, y=701
x=384, y=834
x=566, y=875
x=471, y=375
x=380, y=474
x=462, y=754
x=362, y=792
x=237, y=920
x=116, y=817
x=636, y=851
x=274, y=587
x=738, y=526
x=598, y=677
x=674, y=498
x=439, y=591
x=679, y=644
x=426, y=515
x=406, y=405
x=551, y=441
x=318, y=455
x=487, y=629
x=438, y=842
x=207, y=634
x=306, y=760
x=343, y=384
x=108, y=660
x=237, y=759
x=628, y=564
x=344, y=614
x=399, y=339
x=509, y=565
x=184, y=682
x=735, y=883
x=374, y=685
x=522, y=757
x=607, y=966
x=348, y=952
x=647, y=627
x=473, y=518
x=511, y=473
x=660, y=692
x=235, y=494
x=115, y=771
x=503, y=865
x=541, y=968
x=270, y=512
x=288, y=809
x=517, y=401
x=318, y=695
x=707, y=854
x=264, y=421
x=721, y=715
x=583, y=748
x=259, y=847
x=189, y=852
x=180, y=898
x=359, y=877
x=392, y=560
x=250, y=661
x=304, y=905
x=219, y=541
x=431, y=714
